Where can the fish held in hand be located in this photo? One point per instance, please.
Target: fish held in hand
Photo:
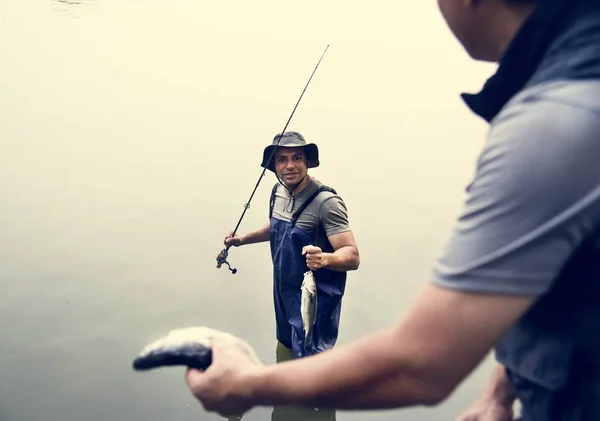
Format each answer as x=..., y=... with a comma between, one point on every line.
x=190, y=347
x=308, y=307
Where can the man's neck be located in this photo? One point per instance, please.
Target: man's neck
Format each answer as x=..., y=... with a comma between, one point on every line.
x=509, y=19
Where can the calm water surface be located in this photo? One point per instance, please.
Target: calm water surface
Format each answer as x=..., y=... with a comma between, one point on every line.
x=131, y=133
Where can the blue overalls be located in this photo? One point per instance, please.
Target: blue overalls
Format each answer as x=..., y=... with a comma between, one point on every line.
x=289, y=266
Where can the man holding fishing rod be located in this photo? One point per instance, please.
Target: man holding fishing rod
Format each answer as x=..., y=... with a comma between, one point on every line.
x=521, y=270
x=308, y=229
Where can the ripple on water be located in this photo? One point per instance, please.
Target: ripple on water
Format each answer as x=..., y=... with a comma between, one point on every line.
x=72, y=8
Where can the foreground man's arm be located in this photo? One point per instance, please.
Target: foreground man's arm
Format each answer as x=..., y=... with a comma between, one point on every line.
x=420, y=361
x=535, y=198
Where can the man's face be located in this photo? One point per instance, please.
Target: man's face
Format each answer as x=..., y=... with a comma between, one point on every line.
x=468, y=20
x=290, y=165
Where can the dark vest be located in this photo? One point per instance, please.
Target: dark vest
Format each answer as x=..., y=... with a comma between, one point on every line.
x=552, y=354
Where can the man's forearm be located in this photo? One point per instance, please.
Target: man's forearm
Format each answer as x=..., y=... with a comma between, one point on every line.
x=420, y=361
x=358, y=377
x=257, y=236
x=343, y=259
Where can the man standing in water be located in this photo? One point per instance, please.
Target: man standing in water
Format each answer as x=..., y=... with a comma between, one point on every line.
x=306, y=218
x=521, y=270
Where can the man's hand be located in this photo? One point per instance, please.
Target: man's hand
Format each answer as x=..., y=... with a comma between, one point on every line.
x=233, y=241
x=496, y=401
x=487, y=409
x=315, y=258
x=222, y=387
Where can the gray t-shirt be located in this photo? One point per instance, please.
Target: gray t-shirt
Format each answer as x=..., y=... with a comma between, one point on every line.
x=535, y=197
x=327, y=208
x=531, y=226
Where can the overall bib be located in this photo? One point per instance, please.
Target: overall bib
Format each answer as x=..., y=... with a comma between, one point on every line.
x=289, y=266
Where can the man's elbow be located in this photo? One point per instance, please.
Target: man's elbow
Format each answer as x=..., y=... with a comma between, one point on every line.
x=430, y=394
x=355, y=261
x=431, y=383
x=344, y=259
x=436, y=395
x=436, y=387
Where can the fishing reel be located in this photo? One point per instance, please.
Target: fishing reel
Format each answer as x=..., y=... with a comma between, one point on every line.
x=222, y=259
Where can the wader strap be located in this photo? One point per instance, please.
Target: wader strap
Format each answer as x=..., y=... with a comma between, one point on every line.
x=272, y=200
x=296, y=214
x=308, y=201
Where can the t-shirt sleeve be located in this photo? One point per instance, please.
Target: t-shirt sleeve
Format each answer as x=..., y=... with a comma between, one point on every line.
x=534, y=199
x=334, y=215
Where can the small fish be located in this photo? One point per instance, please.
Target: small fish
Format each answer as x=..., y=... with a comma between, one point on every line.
x=308, y=307
x=189, y=347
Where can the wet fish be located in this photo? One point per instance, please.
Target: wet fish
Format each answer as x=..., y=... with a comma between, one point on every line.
x=190, y=347
x=308, y=307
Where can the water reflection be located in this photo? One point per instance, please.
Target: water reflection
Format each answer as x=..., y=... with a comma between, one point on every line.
x=116, y=189
x=288, y=413
x=71, y=7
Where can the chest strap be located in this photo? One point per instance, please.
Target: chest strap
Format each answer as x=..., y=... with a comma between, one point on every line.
x=304, y=205
x=272, y=200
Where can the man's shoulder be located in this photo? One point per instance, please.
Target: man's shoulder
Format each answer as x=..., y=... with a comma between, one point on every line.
x=326, y=193
x=535, y=195
x=276, y=187
x=562, y=94
x=547, y=120
x=326, y=203
x=582, y=94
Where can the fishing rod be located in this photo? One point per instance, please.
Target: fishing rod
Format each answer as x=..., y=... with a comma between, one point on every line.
x=222, y=256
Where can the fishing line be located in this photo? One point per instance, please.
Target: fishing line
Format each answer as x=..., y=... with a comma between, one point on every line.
x=222, y=256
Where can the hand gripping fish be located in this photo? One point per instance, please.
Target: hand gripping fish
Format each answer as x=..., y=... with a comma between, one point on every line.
x=189, y=346
x=308, y=307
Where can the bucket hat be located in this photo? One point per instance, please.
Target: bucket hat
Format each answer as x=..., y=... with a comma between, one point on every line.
x=291, y=140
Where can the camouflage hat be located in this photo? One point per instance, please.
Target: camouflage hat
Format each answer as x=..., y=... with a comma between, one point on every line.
x=291, y=140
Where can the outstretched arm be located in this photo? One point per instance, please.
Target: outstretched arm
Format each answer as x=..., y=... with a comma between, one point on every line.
x=418, y=362
x=258, y=236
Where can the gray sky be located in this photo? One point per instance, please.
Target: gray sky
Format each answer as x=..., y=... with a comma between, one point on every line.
x=124, y=95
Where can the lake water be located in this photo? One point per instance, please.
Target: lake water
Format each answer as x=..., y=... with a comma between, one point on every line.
x=131, y=134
